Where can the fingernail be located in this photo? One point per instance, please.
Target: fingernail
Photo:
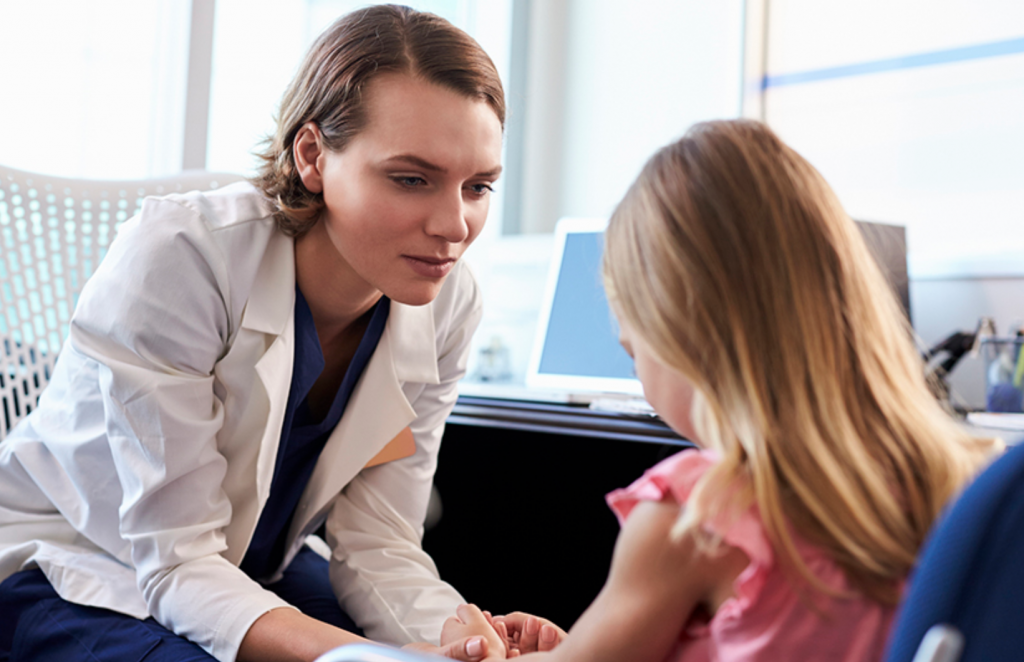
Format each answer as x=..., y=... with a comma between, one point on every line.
x=532, y=626
x=548, y=634
x=475, y=647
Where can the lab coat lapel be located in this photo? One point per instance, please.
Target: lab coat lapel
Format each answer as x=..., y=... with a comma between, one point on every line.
x=377, y=410
x=269, y=312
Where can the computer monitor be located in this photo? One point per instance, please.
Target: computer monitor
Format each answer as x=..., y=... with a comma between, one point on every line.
x=577, y=345
x=888, y=243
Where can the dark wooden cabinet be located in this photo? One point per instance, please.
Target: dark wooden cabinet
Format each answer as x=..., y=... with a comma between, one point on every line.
x=524, y=524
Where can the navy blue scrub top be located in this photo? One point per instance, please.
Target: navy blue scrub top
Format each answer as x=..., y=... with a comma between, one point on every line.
x=302, y=437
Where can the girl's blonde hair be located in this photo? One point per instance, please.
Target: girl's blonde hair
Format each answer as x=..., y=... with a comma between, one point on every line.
x=734, y=261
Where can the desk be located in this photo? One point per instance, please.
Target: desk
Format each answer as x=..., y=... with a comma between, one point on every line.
x=524, y=524
x=1008, y=427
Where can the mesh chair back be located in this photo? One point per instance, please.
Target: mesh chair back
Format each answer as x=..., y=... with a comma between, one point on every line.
x=53, y=233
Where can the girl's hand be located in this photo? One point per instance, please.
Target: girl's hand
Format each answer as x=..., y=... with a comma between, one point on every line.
x=470, y=624
x=511, y=649
x=530, y=634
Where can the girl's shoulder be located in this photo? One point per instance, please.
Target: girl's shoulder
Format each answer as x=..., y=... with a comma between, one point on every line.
x=676, y=477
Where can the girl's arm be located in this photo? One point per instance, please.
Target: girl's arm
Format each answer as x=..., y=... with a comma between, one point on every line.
x=653, y=588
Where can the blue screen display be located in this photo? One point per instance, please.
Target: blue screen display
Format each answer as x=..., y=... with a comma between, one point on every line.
x=582, y=338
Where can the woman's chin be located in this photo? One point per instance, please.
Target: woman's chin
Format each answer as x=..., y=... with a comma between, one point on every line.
x=419, y=294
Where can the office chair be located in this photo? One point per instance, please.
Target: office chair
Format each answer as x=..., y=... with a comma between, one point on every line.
x=970, y=578
x=372, y=653
x=53, y=233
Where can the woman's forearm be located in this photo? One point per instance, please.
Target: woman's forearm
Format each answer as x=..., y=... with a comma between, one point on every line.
x=288, y=635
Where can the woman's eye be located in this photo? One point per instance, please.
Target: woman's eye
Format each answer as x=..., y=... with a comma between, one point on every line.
x=481, y=189
x=411, y=182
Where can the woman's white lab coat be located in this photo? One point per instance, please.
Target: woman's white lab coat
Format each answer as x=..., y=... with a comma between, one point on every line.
x=138, y=482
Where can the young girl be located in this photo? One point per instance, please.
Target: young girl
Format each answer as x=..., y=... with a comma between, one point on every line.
x=761, y=329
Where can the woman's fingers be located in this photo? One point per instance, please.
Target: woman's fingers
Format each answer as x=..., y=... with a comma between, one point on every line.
x=470, y=649
x=472, y=621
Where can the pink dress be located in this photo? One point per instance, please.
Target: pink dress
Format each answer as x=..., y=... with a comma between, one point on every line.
x=766, y=621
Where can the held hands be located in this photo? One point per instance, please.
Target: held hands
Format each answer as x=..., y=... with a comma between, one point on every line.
x=474, y=631
x=500, y=637
x=529, y=634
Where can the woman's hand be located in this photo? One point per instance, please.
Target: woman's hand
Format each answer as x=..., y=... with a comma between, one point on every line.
x=470, y=624
x=467, y=649
x=528, y=633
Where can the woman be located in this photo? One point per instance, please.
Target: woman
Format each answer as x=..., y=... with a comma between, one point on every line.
x=251, y=364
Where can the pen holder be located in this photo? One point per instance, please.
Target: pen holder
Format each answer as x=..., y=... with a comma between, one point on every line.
x=1004, y=374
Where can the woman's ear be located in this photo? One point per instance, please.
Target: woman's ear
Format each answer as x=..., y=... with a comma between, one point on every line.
x=306, y=151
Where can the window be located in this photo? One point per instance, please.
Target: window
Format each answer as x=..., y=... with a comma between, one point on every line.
x=93, y=89
x=914, y=112
x=595, y=87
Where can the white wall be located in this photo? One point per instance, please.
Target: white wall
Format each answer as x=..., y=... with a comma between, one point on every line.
x=913, y=110
x=610, y=82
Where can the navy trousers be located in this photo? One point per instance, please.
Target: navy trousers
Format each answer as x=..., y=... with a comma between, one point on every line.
x=36, y=625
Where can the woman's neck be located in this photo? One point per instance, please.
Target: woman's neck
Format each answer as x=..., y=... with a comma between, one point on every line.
x=337, y=295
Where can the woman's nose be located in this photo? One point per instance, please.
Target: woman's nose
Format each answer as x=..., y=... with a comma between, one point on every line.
x=448, y=220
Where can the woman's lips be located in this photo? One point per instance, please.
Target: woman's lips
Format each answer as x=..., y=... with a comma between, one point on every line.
x=430, y=267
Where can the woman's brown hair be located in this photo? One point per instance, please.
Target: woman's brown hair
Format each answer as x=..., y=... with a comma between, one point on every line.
x=329, y=90
x=733, y=259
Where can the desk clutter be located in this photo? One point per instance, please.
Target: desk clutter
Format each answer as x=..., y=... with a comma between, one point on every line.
x=1004, y=373
x=1003, y=364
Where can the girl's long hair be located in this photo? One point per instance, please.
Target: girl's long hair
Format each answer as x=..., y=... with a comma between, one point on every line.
x=733, y=259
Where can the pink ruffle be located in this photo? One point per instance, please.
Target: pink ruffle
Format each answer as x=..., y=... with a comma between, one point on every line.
x=678, y=475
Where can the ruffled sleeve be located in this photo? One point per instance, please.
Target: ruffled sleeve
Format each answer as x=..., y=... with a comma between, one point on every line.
x=677, y=476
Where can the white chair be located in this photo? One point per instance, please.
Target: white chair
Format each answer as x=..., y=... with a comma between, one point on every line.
x=372, y=653
x=53, y=233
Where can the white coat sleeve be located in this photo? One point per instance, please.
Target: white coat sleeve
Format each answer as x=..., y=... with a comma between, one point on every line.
x=155, y=321
x=379, y=570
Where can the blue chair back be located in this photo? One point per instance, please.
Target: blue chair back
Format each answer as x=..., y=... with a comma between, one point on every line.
x=971, y=572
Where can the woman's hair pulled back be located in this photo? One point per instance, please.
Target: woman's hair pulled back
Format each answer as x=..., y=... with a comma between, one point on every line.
x=329, y=89
x=734, y=261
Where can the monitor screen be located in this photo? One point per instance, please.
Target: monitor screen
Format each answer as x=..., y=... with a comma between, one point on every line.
x=577, y=344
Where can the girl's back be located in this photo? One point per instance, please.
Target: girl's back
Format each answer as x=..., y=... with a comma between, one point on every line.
x=769, y=335
x=767, y=619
